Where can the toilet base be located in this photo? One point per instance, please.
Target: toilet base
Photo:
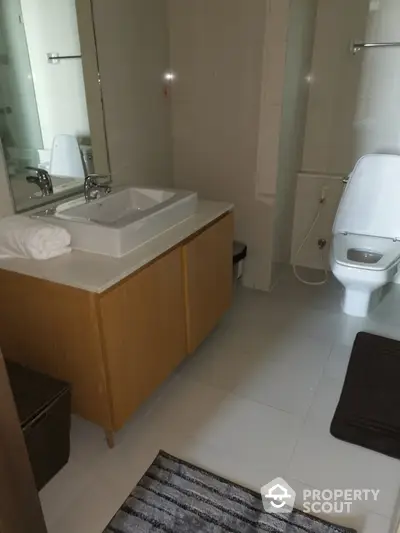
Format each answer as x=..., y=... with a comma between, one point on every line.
x=357, y=302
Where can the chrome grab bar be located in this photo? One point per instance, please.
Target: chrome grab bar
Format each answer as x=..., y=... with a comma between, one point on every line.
x=357, y=47
x=54, y=58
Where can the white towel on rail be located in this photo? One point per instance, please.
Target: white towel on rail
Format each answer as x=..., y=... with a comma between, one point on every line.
x=21, y=236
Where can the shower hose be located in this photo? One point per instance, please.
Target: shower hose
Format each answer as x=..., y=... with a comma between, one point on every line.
x=303, y=243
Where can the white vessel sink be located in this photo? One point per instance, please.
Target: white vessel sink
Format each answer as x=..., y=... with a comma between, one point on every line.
x=116, y=224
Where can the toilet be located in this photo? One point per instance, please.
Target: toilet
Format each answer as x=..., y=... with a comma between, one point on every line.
x=365, y=251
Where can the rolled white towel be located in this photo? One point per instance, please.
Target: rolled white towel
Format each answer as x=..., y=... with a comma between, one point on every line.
x=29, y=238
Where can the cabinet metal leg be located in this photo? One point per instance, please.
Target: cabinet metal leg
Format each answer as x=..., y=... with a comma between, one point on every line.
x=109, y=438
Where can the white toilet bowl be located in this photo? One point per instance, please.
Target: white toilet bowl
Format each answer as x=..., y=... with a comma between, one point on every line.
x=365, y=254
x=363, y=265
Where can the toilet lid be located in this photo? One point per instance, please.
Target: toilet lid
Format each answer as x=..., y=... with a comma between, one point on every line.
x=370, y=204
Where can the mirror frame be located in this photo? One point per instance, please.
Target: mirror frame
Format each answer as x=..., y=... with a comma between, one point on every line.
x=93, y=87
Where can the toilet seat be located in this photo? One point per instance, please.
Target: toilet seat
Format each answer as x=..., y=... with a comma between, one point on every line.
x=389, y=249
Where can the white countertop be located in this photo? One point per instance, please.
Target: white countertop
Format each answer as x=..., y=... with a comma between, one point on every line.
x=97, y=273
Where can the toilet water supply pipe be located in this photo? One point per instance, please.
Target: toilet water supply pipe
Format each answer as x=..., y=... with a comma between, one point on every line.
x=321, y=204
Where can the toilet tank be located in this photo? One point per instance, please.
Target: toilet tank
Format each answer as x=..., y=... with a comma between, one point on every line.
x=370, y=204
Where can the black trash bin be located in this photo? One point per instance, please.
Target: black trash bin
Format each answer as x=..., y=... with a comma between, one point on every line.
x=44, y=410
x=239, y=256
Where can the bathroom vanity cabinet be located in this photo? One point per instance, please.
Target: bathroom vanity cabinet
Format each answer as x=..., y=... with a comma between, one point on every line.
x=117, y=346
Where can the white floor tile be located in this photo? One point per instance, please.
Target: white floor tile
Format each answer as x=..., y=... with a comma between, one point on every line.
x=251, y=432
x=388, y=309
x=187, y=406
x=338, y=362
x=293, y=322
x=221, y=366
x=287, y=378
x=323, y=298
x=375, y=523
x=347, y=328
x=88, y=441
x=60, y=492
x=325, y=401
x=92, y=509
x=225, y=463
x=255, y=402
x=322, y=461
x=383, y=327
x=352, y=518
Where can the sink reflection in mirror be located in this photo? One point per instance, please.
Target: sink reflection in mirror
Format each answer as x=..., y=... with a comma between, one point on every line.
x=117, y=223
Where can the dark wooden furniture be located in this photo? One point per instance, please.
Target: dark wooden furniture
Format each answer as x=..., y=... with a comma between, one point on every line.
x=20, y=509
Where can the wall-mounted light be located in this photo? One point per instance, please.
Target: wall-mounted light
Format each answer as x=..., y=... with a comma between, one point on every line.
x=169, y=76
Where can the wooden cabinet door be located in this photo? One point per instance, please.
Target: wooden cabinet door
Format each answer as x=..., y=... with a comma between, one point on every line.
x=53, y=329
x=143, y=327
x=207, y=263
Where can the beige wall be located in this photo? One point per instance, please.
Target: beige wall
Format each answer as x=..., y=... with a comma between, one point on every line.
x=271, y=101
x=133, y=51
x=217, y=53
x=299, y=49
x=330, y=141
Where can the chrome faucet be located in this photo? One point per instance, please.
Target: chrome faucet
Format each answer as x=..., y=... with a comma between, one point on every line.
x=92, y=188
x=42, y=180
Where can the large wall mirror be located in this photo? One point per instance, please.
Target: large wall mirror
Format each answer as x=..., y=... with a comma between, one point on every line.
x=44, y=118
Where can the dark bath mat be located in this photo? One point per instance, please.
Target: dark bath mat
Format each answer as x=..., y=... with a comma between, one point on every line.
x=176, y=497
x=368, y=413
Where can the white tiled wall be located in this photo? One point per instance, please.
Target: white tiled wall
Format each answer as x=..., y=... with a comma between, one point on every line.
x=377, y=126
x=300, y=36
x=353, y=106
x=329, y=141
x=310, y=187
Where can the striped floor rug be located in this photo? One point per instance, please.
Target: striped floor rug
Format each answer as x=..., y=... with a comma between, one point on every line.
x=176, y=497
